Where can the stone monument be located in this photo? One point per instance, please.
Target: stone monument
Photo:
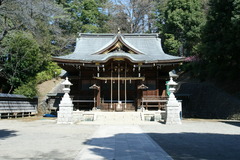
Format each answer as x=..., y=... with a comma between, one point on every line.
x=173, y=106
x=65, y=113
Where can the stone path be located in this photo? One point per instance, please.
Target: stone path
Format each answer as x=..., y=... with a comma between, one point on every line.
x=121, y=142
x=42, y=139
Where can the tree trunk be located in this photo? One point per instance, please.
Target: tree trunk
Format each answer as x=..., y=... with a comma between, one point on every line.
x=4, y=32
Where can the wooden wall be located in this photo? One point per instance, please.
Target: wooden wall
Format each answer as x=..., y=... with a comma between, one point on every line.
x=16, y=105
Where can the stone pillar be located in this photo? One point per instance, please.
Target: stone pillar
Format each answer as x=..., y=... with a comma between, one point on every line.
x=65, y=113
x=173, y=106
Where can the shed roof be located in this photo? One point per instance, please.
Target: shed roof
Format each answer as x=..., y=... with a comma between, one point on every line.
x=96, y=48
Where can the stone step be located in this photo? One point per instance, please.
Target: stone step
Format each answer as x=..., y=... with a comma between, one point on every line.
x=121, y=117
x=118, y=116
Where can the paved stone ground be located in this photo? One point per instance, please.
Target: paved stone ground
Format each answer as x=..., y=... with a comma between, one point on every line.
x=41, y=139
x=121, y=142
x=198, y=139
x=44, y=139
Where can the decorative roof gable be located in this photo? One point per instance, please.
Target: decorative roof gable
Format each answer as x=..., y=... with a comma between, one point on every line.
x=119, y=44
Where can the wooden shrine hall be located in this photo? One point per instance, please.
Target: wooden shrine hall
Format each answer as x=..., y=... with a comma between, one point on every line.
x=118, y=72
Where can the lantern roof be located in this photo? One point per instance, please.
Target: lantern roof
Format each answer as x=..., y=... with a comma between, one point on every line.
x=171, y=82
x=66, y=82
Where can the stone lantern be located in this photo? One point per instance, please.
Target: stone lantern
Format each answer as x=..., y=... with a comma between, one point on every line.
x=172, y=85
x=66, y=105
x=66, y=86
x=173, y=106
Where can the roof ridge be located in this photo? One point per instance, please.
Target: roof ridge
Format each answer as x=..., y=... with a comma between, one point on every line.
x=140, y=34
x=120, y=34
x=96, y=34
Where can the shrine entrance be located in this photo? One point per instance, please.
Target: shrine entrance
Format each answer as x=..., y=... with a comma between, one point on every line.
x=119, y=84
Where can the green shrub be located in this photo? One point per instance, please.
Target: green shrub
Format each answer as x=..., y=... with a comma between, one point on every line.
x=29, y=89
x=51, y=71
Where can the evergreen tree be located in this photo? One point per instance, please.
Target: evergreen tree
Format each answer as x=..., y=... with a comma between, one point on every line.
x=86, y=16
x=181, y=25
x=23, y=59
x=35, y=17
x=220, y=38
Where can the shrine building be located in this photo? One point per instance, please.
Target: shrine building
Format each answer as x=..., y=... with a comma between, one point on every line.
x=115, y=72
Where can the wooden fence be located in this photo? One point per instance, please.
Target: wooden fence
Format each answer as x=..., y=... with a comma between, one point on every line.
x=12, y=105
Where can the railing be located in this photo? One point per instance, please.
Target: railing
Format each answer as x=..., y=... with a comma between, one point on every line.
x=158, y=102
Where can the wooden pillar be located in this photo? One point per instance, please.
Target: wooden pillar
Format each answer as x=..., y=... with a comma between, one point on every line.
x=111, y=86
x=125, y=81
x=98, y=97
x=118, y=81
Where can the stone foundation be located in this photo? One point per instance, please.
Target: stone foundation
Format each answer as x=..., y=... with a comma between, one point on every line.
x=173, y=113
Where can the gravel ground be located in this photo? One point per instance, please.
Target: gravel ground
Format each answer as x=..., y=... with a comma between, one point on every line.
x=39, y=138
x=198, y=139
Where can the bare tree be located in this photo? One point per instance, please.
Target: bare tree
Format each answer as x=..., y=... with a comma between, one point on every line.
x=15, y=14
x=134, y=16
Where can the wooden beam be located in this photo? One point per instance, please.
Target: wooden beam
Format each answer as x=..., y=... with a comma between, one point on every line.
x=120, y=78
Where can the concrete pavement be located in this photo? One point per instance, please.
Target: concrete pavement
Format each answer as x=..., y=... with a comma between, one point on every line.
x=121, y=142
x=198, y=139
x=43, y=139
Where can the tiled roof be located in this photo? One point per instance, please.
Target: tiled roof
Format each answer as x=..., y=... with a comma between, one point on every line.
x=90, y=49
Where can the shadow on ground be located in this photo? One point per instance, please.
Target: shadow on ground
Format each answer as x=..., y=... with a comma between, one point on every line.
x=180, y=146
x=5, y=133
x=234, y=123
x=196, y=146
x=124, y=146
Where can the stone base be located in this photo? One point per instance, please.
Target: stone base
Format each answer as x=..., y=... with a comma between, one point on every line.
x=173, y=115
x=65, y=113
x=64, y=117
x=172, y=121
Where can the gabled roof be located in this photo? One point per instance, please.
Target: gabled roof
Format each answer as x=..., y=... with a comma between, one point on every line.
x=99, y=48
x=118, y=39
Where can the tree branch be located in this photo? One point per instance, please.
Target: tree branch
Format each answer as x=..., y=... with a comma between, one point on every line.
x=6, y=30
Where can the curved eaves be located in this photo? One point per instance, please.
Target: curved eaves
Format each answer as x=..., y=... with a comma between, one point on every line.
x=107, y=46
x=112, y=43
x=129, y=45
